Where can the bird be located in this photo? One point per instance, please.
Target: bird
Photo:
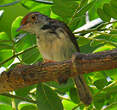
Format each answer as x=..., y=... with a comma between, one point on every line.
x=56, y=43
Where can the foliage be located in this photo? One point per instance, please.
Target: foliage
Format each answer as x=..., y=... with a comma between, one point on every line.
x=51, y=95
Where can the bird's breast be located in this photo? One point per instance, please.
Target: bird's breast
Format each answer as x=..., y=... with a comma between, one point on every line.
x=56, y=47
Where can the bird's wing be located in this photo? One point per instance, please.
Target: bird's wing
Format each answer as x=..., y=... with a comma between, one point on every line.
x=56, y=24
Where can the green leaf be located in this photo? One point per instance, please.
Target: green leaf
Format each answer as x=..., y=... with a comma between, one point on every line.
x=29, y=4
x=111, y=90
x=68, y=105
x=113, y=3
x=41, y=8
x=4, y=36
x=99, y=101
x=15, y=25
x=114, y=10
x=47, y=98
x=30, y=56
x=103, y=15
x=74, y=23
x=24, y=92
x=109, y=94
x=95, y=42
x=5, y=46
x=74, y=95
x=97, y=75
x=27, y=106
x=61, y=88
x=103, y=48
x=64, y=8
x=26, y=42
x=5, y=42
x=5, y=107
x=5, y=99
x=83, y=3
x=5, y=54
x=83, y=41
x=110, y=11
x=98, y=4
x=101, y=83
x=10, y=13
x=2, y=2
x=83, y=10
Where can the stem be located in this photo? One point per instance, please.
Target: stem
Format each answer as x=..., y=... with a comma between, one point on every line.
x=13, y=101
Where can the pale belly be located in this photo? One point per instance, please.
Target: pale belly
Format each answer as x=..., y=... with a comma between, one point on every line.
x=59, y=49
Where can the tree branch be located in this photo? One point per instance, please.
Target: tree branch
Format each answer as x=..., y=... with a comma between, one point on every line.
x=24, y=75
x=9, y=4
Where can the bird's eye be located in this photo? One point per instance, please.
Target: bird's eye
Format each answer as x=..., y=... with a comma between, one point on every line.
x=33, y=17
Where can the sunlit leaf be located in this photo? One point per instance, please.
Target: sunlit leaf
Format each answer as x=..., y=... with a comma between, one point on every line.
x=68, y=105
x=15, y=26
x=103, y=48
x=27, y=106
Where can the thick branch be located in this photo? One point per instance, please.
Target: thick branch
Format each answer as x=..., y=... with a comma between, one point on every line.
x=24, y=75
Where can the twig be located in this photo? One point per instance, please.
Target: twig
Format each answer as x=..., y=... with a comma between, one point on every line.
x=9, y=4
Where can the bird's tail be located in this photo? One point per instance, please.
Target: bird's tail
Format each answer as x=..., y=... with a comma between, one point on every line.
x=83, y=90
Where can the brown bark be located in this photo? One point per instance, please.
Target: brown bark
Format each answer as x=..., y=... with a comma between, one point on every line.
x=24, y=75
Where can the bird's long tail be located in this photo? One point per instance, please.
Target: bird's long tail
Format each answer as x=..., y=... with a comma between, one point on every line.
x=83, y=90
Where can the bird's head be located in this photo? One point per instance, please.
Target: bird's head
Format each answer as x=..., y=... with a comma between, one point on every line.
x=33, y=22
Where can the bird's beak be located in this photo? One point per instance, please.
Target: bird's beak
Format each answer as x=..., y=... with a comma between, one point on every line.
x=20, y=28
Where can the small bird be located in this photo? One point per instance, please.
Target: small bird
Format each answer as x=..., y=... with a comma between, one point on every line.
x=56, y=43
